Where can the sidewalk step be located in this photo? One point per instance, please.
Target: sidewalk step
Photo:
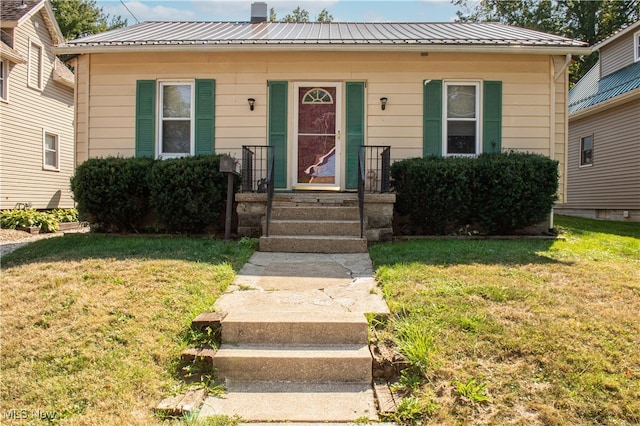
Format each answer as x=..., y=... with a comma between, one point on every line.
x=294, y=402
x=314, y=227
x=313, y=244
x=292, y=327
x=300, y=363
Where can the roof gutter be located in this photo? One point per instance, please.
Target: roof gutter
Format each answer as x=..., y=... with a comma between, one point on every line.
x=626, y=97
x=252, y=47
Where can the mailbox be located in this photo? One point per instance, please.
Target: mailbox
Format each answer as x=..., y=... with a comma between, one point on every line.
x=228, y=164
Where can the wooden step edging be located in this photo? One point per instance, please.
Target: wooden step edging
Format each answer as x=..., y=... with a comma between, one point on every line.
x=178, y=405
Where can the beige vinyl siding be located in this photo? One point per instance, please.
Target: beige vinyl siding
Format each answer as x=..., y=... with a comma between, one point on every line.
x=527, y=90
x=82, y=111
x=616, y=55
x=613, y=180
x=28, y=113
x=559, y=131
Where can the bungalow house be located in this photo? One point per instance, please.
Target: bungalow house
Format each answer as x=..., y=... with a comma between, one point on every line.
x=315, y=92
x=603, y=168
x=37, y=155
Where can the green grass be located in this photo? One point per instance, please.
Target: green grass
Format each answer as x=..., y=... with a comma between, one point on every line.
x=92, y=326
x=519, y=332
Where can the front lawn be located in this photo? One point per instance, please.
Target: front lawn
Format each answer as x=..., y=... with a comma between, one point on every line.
x=524, y=332
x=92, y=326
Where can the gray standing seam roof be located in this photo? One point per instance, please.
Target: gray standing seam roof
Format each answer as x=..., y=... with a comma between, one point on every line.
x=315, y=33
x=591, y=90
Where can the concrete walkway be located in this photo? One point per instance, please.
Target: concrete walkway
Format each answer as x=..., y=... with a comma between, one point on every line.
x=302, y=318
x=304, y=282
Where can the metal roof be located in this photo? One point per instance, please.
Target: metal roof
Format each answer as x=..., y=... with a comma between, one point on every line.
x=591, y=90
x=289, y=35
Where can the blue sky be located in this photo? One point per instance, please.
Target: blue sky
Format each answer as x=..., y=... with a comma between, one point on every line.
x=240, y=10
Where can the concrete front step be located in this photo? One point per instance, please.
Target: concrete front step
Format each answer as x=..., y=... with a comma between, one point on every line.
x=294, y=363
x=325, y=198
x=294, y=328
x=313, y=244
x=314, y=227
x=294, y=402
x=317, y=212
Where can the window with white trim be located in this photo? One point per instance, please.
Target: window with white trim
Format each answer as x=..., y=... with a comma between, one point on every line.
x=636, y=46
x=4, y=79
x=586, y=151
x=35, y=66
x=50, y=152
x=461, y=118
x=176, y=123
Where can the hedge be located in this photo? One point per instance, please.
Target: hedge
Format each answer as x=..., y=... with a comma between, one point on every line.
x=496, y=193
x=187, y=193
x=112, y=193
x=141, y=194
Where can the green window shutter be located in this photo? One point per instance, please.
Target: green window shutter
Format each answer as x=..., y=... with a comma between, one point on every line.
x=205, y=117
x=432, y=117
x=492, y=117
x=145, y=118
x=278, y=122
x=354, y=130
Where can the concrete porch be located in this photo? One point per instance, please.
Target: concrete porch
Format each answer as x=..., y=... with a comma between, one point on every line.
x=315, y=222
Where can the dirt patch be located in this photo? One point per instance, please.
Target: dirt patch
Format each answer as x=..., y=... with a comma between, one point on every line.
x=11, y=239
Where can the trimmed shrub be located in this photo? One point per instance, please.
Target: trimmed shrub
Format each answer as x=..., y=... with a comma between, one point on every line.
x=513, y=191
x=433, y=191
x=498, y=193
x=187, y=193
x=112, y=193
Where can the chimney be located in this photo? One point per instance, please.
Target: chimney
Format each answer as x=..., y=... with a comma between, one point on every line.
x=258, y=12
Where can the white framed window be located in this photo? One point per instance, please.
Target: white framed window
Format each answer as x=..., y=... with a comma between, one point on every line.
x=4, y=80
x=50, y=151
x=176, y=119
x=636, y=46
x=586, y=151
x=35, y=65
x=461, y=121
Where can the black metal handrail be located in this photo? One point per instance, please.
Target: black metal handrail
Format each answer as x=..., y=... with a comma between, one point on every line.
x=270, y=185
x=377, y=165
x=374, y=174
x=361, y=161
x=254, y=167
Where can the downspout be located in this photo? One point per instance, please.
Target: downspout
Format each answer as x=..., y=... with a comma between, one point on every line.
x=567, y=61
x=552, y=130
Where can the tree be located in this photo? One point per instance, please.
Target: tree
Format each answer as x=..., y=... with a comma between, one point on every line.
x=324, y=16
x=588, y=21
x=82, y=17
x=300, y=15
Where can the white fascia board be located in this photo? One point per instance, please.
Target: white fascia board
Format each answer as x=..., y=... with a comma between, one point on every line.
x=532, y=50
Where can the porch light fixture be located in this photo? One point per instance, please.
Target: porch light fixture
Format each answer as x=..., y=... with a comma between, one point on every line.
x=252, y=103
x=383, y=103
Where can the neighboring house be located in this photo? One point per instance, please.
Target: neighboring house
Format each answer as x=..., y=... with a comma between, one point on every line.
x=36, y=109
x=603, y=168
x=319, y=90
